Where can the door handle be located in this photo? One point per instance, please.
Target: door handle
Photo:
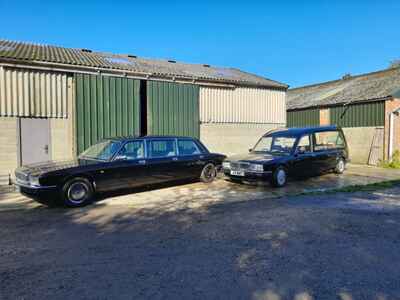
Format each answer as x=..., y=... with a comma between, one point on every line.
x=174, y=158
x=46, y=149
x=142, y=162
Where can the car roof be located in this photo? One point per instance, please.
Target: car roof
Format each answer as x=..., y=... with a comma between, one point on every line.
x=134, y=137
x=296, y=131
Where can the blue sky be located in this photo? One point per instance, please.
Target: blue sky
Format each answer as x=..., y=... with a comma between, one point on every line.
x=296, y=42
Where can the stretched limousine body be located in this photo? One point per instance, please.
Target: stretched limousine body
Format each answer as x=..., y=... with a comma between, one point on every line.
x=118, y=163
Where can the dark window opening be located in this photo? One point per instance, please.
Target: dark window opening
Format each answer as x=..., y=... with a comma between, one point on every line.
x=143, y=107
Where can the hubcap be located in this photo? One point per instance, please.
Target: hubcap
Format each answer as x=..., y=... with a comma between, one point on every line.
x=209, y=171
x=281, y=177
x=77, y=192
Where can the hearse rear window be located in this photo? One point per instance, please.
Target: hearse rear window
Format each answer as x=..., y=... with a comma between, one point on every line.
x=328, y=140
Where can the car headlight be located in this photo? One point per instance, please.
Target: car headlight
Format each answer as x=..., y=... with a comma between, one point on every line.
x=34, y=180
x=226, y=165
x=256, y=167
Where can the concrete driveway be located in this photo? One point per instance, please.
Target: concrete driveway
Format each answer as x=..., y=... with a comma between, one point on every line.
x=336, y=246
x=198, y=194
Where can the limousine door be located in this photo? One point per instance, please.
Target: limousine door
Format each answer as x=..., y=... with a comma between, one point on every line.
x=190, y=160
x=162, y=162
x=128, y=168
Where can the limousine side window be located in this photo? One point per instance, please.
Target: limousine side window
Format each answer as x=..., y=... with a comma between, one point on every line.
x=132, y=150
x=161, y=148
x=327, y=140
x=188, y=147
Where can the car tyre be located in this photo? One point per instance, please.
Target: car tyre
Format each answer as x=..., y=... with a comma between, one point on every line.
x=77, y=192
x=279, y=177
x=340, y=166
x=209, y=173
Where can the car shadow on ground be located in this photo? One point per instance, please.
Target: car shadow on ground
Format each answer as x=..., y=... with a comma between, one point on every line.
x=127, y=191
x=248, y=250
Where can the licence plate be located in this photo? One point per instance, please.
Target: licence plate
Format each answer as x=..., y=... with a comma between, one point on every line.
x=237, y=173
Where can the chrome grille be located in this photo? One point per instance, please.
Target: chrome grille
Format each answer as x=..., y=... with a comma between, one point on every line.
x=240, y=165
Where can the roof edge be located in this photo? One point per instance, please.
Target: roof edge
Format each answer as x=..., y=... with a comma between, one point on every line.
x=277, y=82
x=341, y=103
x=60, y=67
x=339, y=80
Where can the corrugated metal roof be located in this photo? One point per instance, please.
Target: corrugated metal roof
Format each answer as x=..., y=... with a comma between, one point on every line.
x=360, y=88
x=28, y=52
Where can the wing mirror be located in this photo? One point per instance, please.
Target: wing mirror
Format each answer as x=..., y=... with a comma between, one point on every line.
x=121, y=157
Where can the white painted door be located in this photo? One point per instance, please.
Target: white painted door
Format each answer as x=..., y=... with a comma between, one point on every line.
x=35, y=140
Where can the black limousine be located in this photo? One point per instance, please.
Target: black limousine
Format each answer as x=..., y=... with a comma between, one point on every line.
x=296, y=152
x=119, y=163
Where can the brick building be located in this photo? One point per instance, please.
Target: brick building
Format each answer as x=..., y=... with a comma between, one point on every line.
x=363, y=105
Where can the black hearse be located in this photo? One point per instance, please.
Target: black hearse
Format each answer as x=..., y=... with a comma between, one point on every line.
x=295, y=152
x=119, y=163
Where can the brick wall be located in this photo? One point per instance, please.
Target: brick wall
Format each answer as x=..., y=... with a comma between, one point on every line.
x=324, y=117
x=391, y=105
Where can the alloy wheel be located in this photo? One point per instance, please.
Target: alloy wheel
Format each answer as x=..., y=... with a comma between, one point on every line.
x=77, y=192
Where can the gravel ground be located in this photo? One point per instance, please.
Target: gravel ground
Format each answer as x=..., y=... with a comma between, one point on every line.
x=338, y=246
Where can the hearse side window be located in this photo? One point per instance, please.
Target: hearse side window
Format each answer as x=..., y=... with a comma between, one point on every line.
x=327, y=140
x=188, y=147
x=132, y=150
x=304, y=145
x=161, y=148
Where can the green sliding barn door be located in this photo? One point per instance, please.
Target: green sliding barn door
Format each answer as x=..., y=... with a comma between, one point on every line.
x=172, y=109
x=105, y=107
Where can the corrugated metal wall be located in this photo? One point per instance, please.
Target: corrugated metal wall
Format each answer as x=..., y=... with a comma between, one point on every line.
x=172, y=109
x=359, y=115
x=242, y=105
x=105, y=107
x=300, y=118
x=27, y=93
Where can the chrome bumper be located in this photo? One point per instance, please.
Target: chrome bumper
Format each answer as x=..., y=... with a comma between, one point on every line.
x=20, y=183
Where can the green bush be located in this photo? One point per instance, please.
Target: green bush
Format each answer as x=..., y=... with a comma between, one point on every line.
x=394, y=163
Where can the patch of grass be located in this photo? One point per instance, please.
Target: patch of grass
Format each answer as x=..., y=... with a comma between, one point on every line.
x=370, y=187
x=358, y=188
x=394, y=163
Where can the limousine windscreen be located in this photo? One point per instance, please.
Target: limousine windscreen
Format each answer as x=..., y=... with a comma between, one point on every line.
x=102, y=151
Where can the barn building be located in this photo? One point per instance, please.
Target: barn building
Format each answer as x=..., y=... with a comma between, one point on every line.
x=55, y=102
x=366, y=106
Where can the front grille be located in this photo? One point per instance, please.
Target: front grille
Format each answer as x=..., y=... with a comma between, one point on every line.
x=240, y=165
